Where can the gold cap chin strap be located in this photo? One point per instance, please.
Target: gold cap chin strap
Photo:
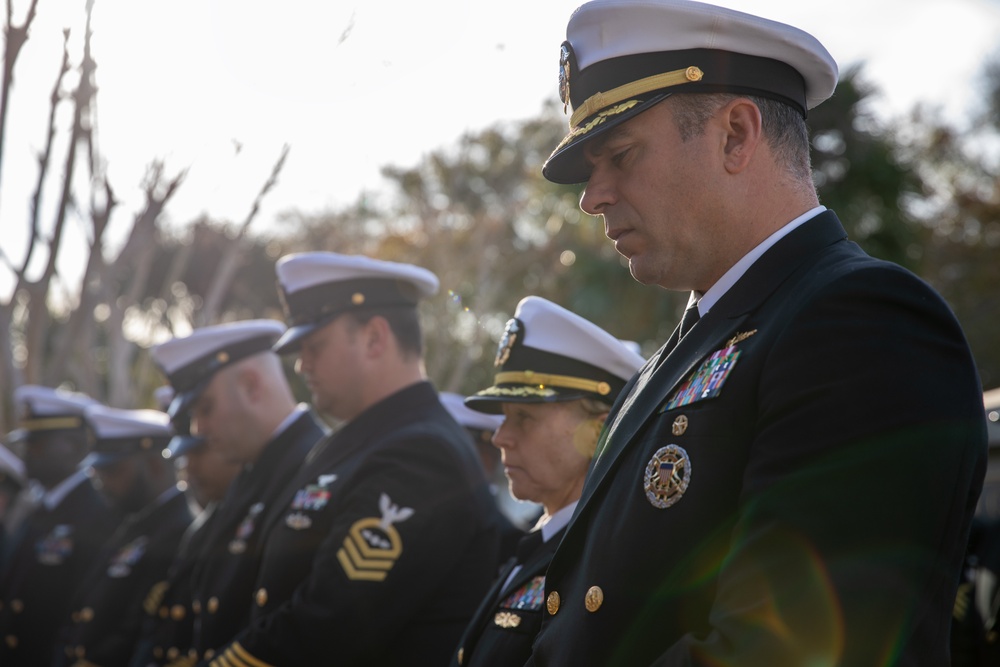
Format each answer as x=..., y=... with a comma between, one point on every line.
x=602, y=100
x=563, y=381
x=51, y=423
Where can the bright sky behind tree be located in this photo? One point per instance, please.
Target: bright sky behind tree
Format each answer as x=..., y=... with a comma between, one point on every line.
x=219, y=86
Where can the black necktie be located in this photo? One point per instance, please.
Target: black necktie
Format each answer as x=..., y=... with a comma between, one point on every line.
x=689, y=319
x=527, y=546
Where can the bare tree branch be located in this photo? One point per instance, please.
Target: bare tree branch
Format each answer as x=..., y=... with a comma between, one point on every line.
x=15, y=37
x=230, y=260
x=44, y=159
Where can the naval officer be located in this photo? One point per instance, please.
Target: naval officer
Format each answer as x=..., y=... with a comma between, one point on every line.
x=557, y=376
x=790, y=480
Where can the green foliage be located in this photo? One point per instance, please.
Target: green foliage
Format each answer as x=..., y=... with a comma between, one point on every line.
x=859, y=175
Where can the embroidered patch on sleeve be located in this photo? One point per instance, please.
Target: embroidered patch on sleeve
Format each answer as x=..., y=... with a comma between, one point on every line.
x=373, y=545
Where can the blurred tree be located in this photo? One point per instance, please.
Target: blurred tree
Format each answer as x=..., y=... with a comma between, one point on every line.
x=87, y=333
x=961, y=170
x=480, y=215
x=860, y=174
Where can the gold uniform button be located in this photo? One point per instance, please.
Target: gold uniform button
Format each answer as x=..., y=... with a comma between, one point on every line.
x=196, y=606
x=213, y=605
x=594, y=598
x=177, y=612
x=16, y=606
x=552, y=603
x=86, y=614
x=158, y=653
x=261, y=597
x=209, y=654
x=680, y=425
x=164, y=612
x=173, y=653
x=11, y=641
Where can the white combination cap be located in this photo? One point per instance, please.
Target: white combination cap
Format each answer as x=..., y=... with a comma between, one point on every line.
x=621, y=57
x=550, y=354
x=316, y=287
x=190, y=362
x=120, y=433
x=47, y=409
x=471, y=419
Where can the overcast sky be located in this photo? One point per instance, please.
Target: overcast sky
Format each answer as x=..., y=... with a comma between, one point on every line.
x=356, y=86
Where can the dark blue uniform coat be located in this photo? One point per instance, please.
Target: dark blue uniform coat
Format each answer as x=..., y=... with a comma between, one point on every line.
x=504, y=627
x=791, y=484
x=106, y=616
x=55, y=549
x=224, y=578
x=383, y=548
x=168, y=628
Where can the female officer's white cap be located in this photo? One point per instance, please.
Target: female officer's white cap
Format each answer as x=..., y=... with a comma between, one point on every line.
x=549, y=354
x=622, y=57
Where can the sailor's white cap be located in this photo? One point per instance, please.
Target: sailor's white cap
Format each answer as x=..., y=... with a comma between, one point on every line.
x=190, y=362
x=120, y=433
x=316, y=287
x=470, y=419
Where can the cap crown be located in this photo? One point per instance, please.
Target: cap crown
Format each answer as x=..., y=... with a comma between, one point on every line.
x=119, y=433
x=190, y=360
x=44, y=408
x=548, y=353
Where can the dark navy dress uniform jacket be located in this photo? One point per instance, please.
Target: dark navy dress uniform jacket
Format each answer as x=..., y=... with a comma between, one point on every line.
x=806, y=501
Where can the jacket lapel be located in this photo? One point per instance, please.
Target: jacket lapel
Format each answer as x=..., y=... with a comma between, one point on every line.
x=675, y=361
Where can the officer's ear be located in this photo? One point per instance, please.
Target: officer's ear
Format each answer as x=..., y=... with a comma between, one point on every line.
x=378, y=337
x=742, y=124
x=249, y=382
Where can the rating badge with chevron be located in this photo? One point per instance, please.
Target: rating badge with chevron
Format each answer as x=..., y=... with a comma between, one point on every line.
x=373, y=545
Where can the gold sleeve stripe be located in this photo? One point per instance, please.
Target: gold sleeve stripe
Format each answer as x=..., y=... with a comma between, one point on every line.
x=543, y=379
x=599, y=101
x=244, y=657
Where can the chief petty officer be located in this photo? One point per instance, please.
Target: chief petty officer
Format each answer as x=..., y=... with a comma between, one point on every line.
x=387, y=539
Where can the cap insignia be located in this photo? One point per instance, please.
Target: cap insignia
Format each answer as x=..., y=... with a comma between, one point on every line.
x=357, y=298
x=507, y=342
x=565, y=67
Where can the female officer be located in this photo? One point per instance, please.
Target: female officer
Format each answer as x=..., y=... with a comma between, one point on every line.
x=557, y=376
